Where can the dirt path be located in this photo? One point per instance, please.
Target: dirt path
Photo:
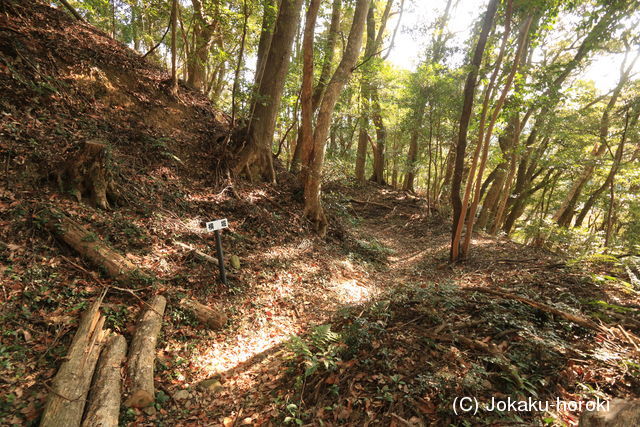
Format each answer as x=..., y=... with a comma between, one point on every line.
x=295, y=287
x=290, y=287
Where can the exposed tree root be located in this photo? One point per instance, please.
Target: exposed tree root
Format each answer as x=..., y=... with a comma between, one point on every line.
x=88, y=173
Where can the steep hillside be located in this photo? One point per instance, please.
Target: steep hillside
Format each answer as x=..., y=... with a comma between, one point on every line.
x=64, y=82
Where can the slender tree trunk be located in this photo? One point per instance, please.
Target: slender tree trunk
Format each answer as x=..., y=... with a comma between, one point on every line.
x=469, y=91
x=312, y=204
x=564, y=215
x=306, y=96
x=617, y=158
x=174, y=23
x=236, y=78
x=325, y=75
x=412, y=155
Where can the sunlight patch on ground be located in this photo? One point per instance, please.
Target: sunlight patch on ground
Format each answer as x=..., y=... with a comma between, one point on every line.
x=223, y=358
x=351, y=292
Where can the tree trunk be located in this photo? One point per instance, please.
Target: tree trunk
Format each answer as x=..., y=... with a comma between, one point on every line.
x=257, y=152
x=199, y=54
x=106, y=390
x=212, y=319
x=142, y=354
x=325, y=75
x=88, y=246
x=266, y=35
x=312, y=204
x=617, y=158
x=66, y=401
x=564, y=215
x=469, y=91
x=174, y=23
x=412, y=155
x=88, y=173
x=305, y=139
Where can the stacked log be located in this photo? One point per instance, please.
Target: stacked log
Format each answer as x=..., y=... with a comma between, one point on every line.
x=67, y=397
x=142, y=353
x=104, y=399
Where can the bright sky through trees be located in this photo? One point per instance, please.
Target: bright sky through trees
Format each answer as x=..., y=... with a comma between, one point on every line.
x=419, y=15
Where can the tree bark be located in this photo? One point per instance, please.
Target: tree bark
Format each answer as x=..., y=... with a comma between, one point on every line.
x=66, y=401
x=412, y=155
x=197, y=60
x=257, y=152
x=142, y=354
x=469, y=91
x=88, y=246
x=88, y=174
x=312, y=188
x=174, y=23
x=212, y=319
x=325, y=75
x=305, y=139
x=106, y=390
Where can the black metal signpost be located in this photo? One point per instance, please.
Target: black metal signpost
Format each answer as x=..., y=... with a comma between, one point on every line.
x=216, y=226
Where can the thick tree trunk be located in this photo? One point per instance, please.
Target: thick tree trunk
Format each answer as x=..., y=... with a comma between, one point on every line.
x=266, y=34
x=88, y=246
x=312, y=205
x=257, y=152
x=106, y=390
x=66, y=401
x=199, y=54
x=469, y=91
x=142, y=354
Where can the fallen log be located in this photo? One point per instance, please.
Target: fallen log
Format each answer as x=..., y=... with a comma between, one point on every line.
x=67, y=397
x=89, y=246
x=142, y=353
x=198, y=254
x=104, y=399
x=544, y=307
x=213, y=319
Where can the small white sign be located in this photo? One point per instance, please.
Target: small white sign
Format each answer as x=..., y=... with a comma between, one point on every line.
x=218, y=224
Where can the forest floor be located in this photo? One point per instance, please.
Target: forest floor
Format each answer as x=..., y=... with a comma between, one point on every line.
x=371, y=325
